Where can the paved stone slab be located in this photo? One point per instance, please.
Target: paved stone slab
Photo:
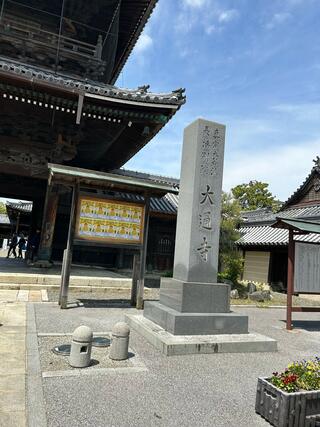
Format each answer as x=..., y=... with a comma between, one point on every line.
x=12, y=400
x=12, y=382
x=35, y=296
x=8, y=295
x=171, y=345
x=13, y=419
x=35, y=400
x=44, y=295
x=12, y=363
x=23, y=295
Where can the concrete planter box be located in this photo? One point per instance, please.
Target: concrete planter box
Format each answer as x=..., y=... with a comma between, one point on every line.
x=281, y=409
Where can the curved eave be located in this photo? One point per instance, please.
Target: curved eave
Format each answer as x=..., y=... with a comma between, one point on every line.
x=133, y=40
x=143, y=142
x=300, y=190
x=17, y=71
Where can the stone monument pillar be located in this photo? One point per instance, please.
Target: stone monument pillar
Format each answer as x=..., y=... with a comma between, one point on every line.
x=192, y=302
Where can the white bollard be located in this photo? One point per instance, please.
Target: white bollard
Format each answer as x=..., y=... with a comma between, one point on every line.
x=120, y=341
x=81, y=345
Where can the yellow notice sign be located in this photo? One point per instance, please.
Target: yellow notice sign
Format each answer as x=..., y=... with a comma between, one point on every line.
x=109, y=221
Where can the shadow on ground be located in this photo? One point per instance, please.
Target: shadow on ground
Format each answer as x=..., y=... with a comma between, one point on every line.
x=307, y=325
x=107, y=303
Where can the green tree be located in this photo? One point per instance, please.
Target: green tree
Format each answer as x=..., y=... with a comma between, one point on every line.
x=230, y=261
x=255, y=195
x=3, y=209
x=230, y=221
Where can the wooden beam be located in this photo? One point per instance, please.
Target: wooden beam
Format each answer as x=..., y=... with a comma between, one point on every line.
x=290, y=279
x=65, y=277
x=143, y=255
x=49, y=221
x=135, y=277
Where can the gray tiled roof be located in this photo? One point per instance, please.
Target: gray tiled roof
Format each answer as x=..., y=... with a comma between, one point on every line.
x=266, y=216
x=175, y=182
x=20, y=206
x=38, y=75
x=268, y=236
x=167, y=204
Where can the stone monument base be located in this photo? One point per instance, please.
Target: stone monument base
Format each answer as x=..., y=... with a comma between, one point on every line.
x=181, y=323
x=195, y=297
x=171, y=345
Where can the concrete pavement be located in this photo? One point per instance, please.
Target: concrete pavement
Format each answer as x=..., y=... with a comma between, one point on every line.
x=216, y=390
x=12, y=362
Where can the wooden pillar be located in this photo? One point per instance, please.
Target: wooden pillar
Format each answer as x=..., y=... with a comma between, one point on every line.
x=48, y=222
x=135, y=276
x=36, y=215
x=290, y=279
x=143, y=255
x=17, y=222
x=67, y=256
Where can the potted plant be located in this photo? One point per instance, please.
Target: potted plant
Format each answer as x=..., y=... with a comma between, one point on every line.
x=292, y=397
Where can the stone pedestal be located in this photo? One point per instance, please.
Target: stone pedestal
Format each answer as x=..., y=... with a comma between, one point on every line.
x=190, y=297
x=178, y=323
x=187, y=308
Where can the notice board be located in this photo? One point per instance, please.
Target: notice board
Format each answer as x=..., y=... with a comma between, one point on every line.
x=109, y=221
x=307, y=268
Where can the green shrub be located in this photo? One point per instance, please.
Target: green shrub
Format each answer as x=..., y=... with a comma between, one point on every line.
x=168, y=273
x=232, y=266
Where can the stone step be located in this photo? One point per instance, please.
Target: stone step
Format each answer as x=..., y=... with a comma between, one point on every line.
x=37, y=279
x=35, y=286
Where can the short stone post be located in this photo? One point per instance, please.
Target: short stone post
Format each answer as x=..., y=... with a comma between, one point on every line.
x=81, y=345
x=120, y=341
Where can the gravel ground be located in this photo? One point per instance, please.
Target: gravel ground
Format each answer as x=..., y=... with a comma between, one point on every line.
x=197, y=390
x=52, y=362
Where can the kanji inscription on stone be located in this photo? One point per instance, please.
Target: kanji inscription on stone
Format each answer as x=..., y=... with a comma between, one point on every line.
x=207, y=196
x=197, y=241
x=203, y=249
x=205, y=220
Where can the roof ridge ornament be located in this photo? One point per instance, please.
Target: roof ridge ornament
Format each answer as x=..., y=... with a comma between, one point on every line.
x=143, y=88
x=179, y=92
x=316, y=162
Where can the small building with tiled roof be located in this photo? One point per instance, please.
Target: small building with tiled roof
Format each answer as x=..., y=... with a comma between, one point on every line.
x=265, y=249
x=16, y=218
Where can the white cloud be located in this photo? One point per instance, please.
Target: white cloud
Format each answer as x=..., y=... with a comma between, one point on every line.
x=203, y=14
x=278, y=19
x=303, y=112
x=228, y=15
x=211, y=29
x=144, y=43
x=194, y=3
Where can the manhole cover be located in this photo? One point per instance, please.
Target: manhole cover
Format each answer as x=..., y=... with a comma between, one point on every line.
x=101, y=342
x=62, y=350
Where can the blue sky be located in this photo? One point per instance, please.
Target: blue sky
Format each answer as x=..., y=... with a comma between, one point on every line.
x=253, y=65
